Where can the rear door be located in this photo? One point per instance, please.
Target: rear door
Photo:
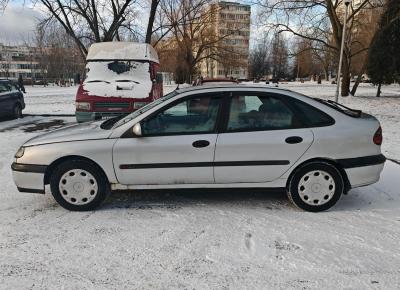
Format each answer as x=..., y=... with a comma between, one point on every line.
x=261, y=141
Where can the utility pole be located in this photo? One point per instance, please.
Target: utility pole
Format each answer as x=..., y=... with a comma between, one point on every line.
x=347, y=3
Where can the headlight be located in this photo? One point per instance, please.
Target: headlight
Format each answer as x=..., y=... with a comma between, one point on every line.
x=20, y=152
x=84, y=106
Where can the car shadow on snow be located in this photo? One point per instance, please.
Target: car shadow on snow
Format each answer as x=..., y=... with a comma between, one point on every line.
x=245, y=198
x=35, y=125
x=178, y=198
x=7, y=118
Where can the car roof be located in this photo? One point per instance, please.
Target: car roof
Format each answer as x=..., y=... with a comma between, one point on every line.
x=228, y=87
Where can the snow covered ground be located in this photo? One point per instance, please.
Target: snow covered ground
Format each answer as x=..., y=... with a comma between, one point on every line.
x=224, y=239
x=56, y=100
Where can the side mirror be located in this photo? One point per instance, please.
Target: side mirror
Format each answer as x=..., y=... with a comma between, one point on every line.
x=137, y=130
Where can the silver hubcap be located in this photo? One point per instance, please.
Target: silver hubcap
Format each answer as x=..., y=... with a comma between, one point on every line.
x=78, y=186
x=316, y=187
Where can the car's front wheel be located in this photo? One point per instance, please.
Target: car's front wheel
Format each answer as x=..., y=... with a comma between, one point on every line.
x=79, y=185
x=315, y=186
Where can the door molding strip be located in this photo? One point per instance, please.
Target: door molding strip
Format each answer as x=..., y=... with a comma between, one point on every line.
x=204, y=164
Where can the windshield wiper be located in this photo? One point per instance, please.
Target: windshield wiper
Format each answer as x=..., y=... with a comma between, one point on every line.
x=98, y=81
x=127, y=81
x=340, y=107
x=107, y=124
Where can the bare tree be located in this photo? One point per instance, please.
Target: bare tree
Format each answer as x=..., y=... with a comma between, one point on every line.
x=312, y=59
x=279, y=56
x=320, y=21
x=57, y=54
x=259, y=65
x=3, y=4
x=91, y=21
x=153, y=10
x=191, y=25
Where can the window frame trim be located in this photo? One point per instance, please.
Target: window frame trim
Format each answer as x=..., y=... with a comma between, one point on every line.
x=285, y=99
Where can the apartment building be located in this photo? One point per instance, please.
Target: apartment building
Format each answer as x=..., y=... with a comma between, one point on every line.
x=232, y=26
x=19, y=60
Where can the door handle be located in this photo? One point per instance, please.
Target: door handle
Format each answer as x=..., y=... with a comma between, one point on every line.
x=200, y=143
x=293, y=140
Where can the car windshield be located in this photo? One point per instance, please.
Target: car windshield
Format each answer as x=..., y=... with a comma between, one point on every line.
x=149, y=106
x=118, y=78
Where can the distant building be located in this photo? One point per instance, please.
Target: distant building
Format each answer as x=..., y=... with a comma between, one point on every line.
x=19, y=60
x=232, y=23
x=364, y=25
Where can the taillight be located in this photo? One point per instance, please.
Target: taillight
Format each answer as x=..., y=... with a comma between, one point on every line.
x=378, y=136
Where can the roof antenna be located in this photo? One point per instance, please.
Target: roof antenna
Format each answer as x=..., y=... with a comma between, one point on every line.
x=177, y=88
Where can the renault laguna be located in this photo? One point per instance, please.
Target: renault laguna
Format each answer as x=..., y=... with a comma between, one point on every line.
x=231, y=136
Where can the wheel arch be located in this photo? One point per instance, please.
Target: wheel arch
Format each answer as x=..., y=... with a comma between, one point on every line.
x=332, y=162
x=60, y=160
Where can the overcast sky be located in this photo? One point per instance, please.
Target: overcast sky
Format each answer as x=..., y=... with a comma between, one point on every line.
x=17, y=23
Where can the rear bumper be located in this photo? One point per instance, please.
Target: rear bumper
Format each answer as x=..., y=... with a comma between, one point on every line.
x=29, y=177
x=363, y=171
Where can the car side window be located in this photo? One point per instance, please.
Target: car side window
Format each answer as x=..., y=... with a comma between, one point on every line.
x=312, y=117
x=4, y=88
x=259, y=112
x=191, y=116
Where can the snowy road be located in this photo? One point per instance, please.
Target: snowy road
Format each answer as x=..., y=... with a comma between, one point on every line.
x=197, y=239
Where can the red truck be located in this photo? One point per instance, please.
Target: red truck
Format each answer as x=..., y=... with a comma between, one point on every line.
x=120, y=78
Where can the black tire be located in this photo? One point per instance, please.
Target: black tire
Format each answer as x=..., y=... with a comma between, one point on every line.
x=294, y=185
x=17, y=111
x=103, y=187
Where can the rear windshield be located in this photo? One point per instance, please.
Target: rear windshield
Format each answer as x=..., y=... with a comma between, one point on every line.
x=341, y=108
x=117, y=70
x=338, y=107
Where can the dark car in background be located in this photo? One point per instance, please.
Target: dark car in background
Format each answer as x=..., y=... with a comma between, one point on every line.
x=11, y=100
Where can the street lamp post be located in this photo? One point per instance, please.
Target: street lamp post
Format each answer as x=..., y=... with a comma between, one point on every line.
x=347, y=3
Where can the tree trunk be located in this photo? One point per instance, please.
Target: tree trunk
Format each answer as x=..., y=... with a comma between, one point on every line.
x=378, y=93
x=345, y=79
x=153, y=10
x=326, y=73
x=354, y=89
x=359, y=78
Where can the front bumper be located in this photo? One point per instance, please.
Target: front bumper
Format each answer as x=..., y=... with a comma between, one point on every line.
x=29, y=177
x=91, y=116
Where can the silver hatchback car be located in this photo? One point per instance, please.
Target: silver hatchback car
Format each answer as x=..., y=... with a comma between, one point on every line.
x=209, y=137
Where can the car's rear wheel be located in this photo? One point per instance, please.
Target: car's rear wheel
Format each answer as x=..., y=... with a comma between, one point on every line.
x=79, y=185
x=315, y=186
x=17, y=111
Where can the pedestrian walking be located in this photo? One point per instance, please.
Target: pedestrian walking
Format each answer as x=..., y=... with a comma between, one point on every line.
x=21, y=84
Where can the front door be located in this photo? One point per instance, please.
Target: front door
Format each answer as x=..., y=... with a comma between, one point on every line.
x=262, y=140
x=176, y=147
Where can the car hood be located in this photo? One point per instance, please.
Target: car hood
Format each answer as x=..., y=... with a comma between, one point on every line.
x=78, y=132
